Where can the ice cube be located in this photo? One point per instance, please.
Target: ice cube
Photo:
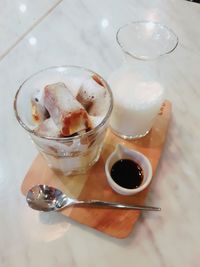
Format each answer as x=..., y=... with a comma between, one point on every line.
x=74, y=82
x=95, y=120
x=39, y=112
x=67, y=113
x=92, y=96
x=97, y=79
x=48, y=128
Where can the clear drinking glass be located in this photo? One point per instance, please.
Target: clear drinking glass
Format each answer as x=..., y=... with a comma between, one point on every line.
x=66, y=155
x=137, y=88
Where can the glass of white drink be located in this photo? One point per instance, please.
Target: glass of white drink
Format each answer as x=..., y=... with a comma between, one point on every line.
x=137, y=90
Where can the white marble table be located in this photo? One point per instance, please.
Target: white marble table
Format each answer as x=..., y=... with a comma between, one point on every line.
x=37, y=34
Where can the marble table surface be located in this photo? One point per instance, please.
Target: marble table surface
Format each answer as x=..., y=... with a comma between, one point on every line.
x=37, y=34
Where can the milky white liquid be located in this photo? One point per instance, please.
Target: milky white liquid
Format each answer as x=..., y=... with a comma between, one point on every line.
x=136, y=104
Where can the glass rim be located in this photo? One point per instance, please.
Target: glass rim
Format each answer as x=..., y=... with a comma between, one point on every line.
x=71, y=138
x=146, y=22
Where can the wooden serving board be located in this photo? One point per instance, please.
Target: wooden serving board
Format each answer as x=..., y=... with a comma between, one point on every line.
x=94, y=185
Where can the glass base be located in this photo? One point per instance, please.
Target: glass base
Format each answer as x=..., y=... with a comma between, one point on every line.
x=64, y=169
x=129, y=137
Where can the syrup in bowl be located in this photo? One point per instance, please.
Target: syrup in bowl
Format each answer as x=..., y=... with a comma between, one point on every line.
x=128, y=171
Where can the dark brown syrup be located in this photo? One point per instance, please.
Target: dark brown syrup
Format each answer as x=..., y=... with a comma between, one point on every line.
x=127, y=173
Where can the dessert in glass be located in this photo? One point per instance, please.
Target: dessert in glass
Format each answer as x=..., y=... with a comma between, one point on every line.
x=137, y=87
x=66, y=111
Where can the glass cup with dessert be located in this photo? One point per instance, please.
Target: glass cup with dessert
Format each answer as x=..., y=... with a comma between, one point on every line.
x=66, y=112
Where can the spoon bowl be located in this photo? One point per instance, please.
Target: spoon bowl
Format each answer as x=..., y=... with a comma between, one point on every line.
x=45, y=198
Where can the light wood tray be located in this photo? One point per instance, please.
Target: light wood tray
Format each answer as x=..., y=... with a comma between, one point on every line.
x=94, y=185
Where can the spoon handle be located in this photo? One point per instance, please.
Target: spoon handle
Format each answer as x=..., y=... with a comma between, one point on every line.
x=105, y=204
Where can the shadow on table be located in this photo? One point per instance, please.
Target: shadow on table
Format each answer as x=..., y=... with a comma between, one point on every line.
x=52, y=218
x=59, y=220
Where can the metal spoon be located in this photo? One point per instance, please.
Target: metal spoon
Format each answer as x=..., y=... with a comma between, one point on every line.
x=46, y=198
